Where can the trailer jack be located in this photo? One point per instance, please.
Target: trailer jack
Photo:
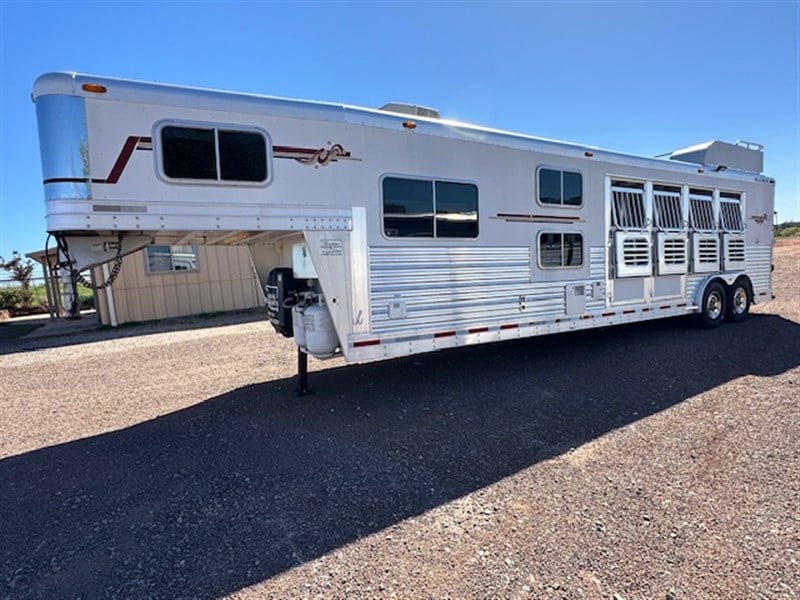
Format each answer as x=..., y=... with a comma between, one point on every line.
x=302, y=374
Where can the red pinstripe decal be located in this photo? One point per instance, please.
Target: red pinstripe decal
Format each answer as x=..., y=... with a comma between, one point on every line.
x=122, y=159
x=366, y=343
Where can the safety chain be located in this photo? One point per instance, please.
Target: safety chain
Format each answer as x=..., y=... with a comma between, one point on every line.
x=62, y=244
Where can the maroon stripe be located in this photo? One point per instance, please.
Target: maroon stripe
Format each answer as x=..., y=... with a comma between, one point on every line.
x=122, y=159
x=366, y=343
x=294, y=150
x=520, y=216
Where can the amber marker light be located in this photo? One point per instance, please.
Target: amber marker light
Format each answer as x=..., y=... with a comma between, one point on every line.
x=409, y=125
x=94, y=87
x=588, y=154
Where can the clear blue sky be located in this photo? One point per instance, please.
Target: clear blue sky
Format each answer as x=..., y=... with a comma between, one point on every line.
x=644, y=78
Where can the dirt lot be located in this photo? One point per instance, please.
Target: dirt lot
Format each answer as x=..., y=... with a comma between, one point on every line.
x=648, y=461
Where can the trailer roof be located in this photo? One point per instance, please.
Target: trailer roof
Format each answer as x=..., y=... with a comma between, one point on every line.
x=126, y=90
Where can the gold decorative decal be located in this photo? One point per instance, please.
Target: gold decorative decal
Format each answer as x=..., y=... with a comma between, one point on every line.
x=319, y=157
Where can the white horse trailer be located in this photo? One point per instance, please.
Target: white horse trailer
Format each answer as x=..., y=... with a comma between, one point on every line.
x=384, y=233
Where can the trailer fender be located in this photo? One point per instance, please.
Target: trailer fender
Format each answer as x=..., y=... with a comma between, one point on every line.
x=727, y=278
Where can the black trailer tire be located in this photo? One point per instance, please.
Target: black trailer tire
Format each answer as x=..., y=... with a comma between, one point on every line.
x=712, y=309
x=740, y=296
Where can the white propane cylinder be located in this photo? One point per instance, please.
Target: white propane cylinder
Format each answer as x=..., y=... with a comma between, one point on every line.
x=299, y=325
x=321, y=339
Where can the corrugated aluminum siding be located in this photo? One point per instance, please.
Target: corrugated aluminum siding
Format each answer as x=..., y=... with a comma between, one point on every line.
x=455, y=288
x=758, y=261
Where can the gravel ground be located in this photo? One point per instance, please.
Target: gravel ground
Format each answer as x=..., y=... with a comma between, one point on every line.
x=647, y=461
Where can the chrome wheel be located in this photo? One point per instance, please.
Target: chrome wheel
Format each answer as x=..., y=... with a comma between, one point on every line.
x=739, y=302
x=714, y=305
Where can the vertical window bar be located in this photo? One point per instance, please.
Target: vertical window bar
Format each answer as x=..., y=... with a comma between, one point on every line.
x=216, y=154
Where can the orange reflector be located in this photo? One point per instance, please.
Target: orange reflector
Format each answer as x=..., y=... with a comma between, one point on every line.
x=409, y=125
x=94, y=87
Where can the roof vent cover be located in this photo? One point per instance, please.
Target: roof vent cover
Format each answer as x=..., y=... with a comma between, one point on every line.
x=741, y=156
x=411, y=109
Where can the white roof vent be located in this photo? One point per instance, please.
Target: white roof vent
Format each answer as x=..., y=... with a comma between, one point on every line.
x=411, y=109
x=741, y=156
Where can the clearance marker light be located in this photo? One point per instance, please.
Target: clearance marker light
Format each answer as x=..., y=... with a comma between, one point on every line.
x=409, y=125
x=94, y=87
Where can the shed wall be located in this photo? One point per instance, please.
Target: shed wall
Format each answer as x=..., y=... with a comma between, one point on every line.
x=224, y=281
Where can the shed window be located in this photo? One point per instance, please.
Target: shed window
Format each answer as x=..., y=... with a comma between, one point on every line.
x=560, y=187
x=558, y=250
x=214, y=154
x=429, y=209
x=167, y=259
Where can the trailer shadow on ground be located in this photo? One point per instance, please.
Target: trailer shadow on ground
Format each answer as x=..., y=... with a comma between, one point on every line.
x=57, y=333
x=241, y=487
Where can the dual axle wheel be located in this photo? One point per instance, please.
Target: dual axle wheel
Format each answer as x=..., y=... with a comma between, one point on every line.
x=721, y=302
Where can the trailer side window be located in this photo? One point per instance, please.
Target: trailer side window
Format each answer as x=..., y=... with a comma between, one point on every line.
x=564, y=188
x=166, y=259
x=557, y=250
x=188, y=153
x=429, y=209
x=223, y=155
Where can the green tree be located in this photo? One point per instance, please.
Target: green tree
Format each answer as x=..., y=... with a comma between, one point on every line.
x=21, y=272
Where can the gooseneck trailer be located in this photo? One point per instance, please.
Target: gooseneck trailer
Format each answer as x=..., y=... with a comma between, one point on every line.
x=389, y=232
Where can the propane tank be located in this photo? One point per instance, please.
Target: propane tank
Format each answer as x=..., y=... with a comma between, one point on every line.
x=321, y=338
x=298, y=324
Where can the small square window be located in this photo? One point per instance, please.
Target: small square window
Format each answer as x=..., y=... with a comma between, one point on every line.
x=168, y=259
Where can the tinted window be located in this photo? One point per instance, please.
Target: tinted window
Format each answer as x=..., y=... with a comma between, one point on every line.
x=549, y=186
x=456, y=210
x=573, y=188
x=242, y=156
x=573, y=250
x=433, y=209
x=189, y=153
x=560, y=250
x=550, y=249
x=407, y=207
x=560, y=187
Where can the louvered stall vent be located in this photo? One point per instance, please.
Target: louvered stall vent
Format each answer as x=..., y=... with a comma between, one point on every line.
x=734, y=255
x=705, y=253
x=673, y=255
x=632, y=255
